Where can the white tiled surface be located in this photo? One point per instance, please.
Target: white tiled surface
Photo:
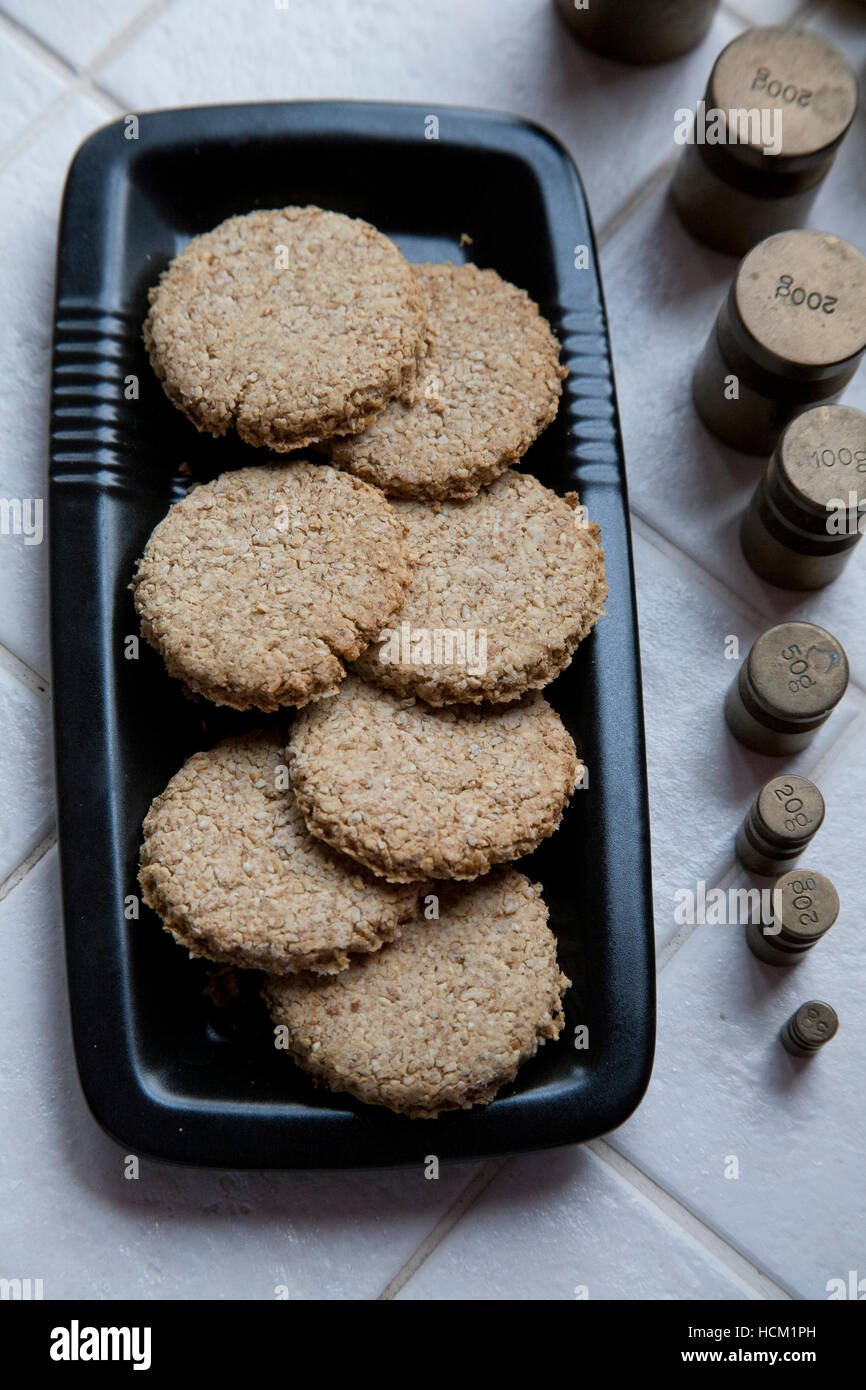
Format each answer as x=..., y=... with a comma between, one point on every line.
x=79, y=30
x=649, y=1212
x=512, y=54
x=28, y=86
x=576, y=1230
x=26, y=789
x=73, y=1219
x=701, y=780
x=724, y=1087
x=29, y=194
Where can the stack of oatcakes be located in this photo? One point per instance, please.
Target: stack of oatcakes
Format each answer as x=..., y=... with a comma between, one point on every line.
x=411, y=597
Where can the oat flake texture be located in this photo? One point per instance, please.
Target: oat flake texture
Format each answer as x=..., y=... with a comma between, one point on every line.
x=443, y=1017
x=229, y=865
x=516, y=563
x=256, y=587
x=291, y=325
x=414, y=792
x=488, y=386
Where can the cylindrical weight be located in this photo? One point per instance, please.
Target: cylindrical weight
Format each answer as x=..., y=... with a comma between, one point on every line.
x=813, y=1025
x=777, y=105
x=779, y=824
x=639, y=31
x=789, y=335
x=804, y=518
x=806, y=905
x=789, y=684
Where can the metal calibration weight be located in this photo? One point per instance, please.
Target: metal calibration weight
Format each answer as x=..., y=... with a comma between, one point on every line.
x=808, y=907
x=789, y=335
x=639, y=31
x=778, y=103
x=804, y=517
x=807, y=1030
x=784, y=817
x=791, y=681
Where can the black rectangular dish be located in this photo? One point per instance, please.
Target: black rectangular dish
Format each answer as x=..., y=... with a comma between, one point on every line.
x=167, y=1068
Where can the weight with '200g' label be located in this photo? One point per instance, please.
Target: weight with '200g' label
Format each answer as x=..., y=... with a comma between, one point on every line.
x=813, y=299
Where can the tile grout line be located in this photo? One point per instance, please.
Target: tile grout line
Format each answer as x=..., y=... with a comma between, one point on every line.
x=115, y=45
x=85, y=75
x=660, y=542
x=39, y=46
x=79, y=81
x=666, y=547
x=726, y=1254
x=84, y=81
x=738, y=1265
x=680, y=1214
x=653, y=181
x=444, y=1226
x=53, y=59
x=832, y=752
x=43, y=122
x=674, y=945
x=18, y=875
x=613, y=225
x=680, y=938
x=607, y=232
x=24, y=674
x=670, y=549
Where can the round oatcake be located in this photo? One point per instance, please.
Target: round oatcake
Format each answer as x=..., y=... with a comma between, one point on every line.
x=441, y=1019
x=231, y=868
x=414, y=792
x=504, y=587
x=489, y=385
x=257, y=586
x=291, y=325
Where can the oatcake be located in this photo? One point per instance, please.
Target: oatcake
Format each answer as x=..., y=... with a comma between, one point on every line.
x=489, y=385
x=413, y=792
x=229, y=865
x=255, y=588
x=515, y=576
x=291, y=325
x=443, y=1017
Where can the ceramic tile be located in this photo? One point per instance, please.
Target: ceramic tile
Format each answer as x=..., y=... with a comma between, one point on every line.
x=563, y=1226
x=700, y=778
x=663, y=291
x=725, y=1087
x=76, y=29
x=722, y=1086
x=29, y=86
x=839, y=205
x=30, y=189
x=26, y=773
x=517, y=56
x=77, y=1223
